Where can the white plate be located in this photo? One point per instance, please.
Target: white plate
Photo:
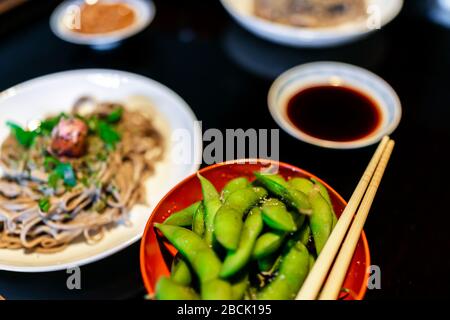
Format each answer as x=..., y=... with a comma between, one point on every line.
x=339, y=74
x=242, y=12
x=144, y=10
x=54, y=93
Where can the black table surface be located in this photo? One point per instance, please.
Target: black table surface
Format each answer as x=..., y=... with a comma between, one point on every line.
x=224, y=73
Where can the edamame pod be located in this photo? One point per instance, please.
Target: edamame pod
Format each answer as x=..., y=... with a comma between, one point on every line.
x=234, y=185
x=180, y=272
x=198, y=221
x=271, y=241
x=334, y=219
x=265, y=264
x=298, y=200
x=250, y=293
x=268, y=243
x=322, y=189
x=228, y=226
x=268, y=265
x=274, y=183
x=294, y=268
x=278, y=179
x=239, y=286
x=312, y=260
x=200, y=256
x=166, y=289
x=305, y=186
x=243, y=199
x=211, y=201
x=216, y=289
x=276, y=216
x=281, y=188
x=228, y=223
x=236, y=260
x=183, y=218
x=302, y=234
x=321, y=219
x=261, y=193
x=301, y=184
x=324, y=192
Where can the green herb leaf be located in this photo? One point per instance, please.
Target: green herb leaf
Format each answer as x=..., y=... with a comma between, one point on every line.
x=107, y=133
x=50, y=162
x=85, y=181
x=79, y=116
x=92, y=123
x=53, y=179
x=66, y=172
x=47, y=126
x=44, y=204
x=115, y=115
x=24, y=137
x=104, y=129
x=62, y=171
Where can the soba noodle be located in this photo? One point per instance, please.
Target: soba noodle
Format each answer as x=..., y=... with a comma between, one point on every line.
x=46, y=217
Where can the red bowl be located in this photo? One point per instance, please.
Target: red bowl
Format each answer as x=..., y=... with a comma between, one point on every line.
x=156, y=254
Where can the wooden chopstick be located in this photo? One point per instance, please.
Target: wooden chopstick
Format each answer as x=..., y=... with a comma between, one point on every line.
x=317, y=276
x=336, y=277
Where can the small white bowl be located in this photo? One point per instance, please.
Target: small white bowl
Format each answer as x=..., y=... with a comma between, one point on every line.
x=242, y=12
x=144, y=10
x=335, y=73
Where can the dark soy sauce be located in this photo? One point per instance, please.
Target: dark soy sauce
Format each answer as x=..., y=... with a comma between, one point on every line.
x=334, y=113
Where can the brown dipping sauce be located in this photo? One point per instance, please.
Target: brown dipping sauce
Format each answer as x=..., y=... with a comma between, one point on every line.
x=334, y=113
x=105, y=17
